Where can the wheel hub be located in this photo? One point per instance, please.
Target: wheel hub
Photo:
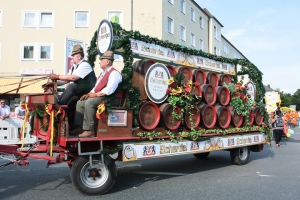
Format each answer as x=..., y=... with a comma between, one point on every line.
x=93, y=173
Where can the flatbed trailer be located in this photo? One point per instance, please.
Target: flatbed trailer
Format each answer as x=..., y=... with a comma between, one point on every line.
x=93, y=170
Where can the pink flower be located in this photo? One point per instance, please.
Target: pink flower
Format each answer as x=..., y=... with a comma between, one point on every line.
x=242, y=96
x=168, y=91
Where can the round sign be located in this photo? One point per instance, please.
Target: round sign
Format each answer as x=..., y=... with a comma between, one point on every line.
x=251, y=90
x=105, y=37
x=156, y=82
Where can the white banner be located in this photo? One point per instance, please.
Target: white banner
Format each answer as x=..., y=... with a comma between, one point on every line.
x=146, y=150
x=166, y=54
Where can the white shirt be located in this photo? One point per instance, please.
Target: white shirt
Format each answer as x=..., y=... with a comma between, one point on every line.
x=20, y=111
x=83, y=69
x=113, y=81
x=4, y=111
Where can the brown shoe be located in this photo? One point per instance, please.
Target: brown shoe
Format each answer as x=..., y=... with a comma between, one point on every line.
x=76, y=131
x=87, y=134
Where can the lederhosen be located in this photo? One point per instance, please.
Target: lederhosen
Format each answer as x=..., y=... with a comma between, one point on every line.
x=79, y=87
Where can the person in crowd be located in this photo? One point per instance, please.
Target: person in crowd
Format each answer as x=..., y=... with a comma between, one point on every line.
x=4, y=110
x=272, y=121
x=280, y=128
x=106, y=84
x=20, y=111
x=81, y=79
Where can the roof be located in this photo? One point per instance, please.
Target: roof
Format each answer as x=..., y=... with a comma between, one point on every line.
x=31, y=85
x=268, y=88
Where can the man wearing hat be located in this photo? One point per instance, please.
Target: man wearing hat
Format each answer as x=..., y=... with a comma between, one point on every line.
x=81, y=77
x=106, y=84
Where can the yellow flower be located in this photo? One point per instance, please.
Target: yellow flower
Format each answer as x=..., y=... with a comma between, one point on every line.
x=190, y=82
x=170, y=81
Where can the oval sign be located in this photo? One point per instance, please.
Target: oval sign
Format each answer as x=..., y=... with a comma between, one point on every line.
x=156, y=82
x=251, y=90
x=104, y=37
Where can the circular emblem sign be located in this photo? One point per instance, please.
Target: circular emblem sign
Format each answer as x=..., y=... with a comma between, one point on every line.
x=156, y=82
x=251, y=90
x=105, y=37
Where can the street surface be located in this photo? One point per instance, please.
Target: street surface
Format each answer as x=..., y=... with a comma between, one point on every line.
x=271, y=174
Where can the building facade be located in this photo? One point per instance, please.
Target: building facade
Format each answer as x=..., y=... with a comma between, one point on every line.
x=34, y=34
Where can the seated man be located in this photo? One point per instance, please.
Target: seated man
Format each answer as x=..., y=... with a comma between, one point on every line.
x=81, y=77
x=106, y=84
x=4, y=110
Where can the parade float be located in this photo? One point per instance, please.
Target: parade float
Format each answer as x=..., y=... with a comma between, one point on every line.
x=175, y=101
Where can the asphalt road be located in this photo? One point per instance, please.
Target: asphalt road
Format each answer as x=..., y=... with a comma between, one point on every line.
x=271, y=174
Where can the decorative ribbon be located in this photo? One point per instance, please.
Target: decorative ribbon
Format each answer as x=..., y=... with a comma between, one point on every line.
x=24, y=126
x=101, y=110
x=50, y=111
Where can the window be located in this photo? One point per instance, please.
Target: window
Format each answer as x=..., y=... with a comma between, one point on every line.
x=35, y=52
x=201, y=22
x=192, y=14
x=182, y=33
x=116, y=17
x=82, y=19
x=226, y=49
x=0, y=19
x=182, y=6
x=216, y=32
x=170, y=25
x=216, y=51
x=192, y=39
x=201, y=44
x=29, y=20
x=46, y=19
x=45, y=52
x=171, y=1
x=28, y=52
x=37, y=19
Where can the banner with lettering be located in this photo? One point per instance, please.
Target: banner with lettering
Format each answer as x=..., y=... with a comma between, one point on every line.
x=158, y=52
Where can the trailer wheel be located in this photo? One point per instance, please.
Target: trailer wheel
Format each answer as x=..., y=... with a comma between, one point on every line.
x=96, y=180
x=240, y=156
x=201, y=155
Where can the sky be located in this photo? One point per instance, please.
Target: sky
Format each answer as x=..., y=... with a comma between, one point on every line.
x=267, y=32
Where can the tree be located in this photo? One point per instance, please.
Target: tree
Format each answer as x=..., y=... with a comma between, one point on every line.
x=296, y=99
x=286, y=98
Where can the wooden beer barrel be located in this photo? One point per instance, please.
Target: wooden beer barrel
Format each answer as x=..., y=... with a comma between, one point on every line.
x=199, y=76
x=258, y=118
x=209, y=95
x=142, y=66
x=149, y=115
x=223, y=116
x=171, y=69
x=167, y=121
x=186, y=71
x=224, y=78
x=223, y=95
x=212, y=78
x=236, y=119
x=195, y=118
x=208, y=116
x=251, y=118
x=196, y=90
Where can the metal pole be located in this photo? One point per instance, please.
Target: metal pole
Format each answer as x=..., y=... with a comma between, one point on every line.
x=131, y=14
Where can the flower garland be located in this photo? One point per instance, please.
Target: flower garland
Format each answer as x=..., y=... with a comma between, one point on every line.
x=181, y=95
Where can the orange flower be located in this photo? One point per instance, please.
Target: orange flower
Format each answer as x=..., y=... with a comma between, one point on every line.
x=188, y=88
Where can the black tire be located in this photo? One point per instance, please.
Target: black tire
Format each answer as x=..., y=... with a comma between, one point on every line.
x=201, y=155
x=107, y=173
x=240, y=156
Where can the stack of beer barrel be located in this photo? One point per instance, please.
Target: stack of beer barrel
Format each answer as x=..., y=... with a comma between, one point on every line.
x=213, y=112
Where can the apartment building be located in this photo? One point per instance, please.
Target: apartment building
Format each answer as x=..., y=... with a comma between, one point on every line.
x=38, y=36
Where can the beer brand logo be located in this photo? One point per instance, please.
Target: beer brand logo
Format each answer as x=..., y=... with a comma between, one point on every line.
x=159, y=74
x=194, y=146
x=171, y=54
x=103, y=30
x=256, y=138
x=149, y=150
x=134, y=46
x=224, y=66
x=230, y=142
x=199, y=61
x=128, y=152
